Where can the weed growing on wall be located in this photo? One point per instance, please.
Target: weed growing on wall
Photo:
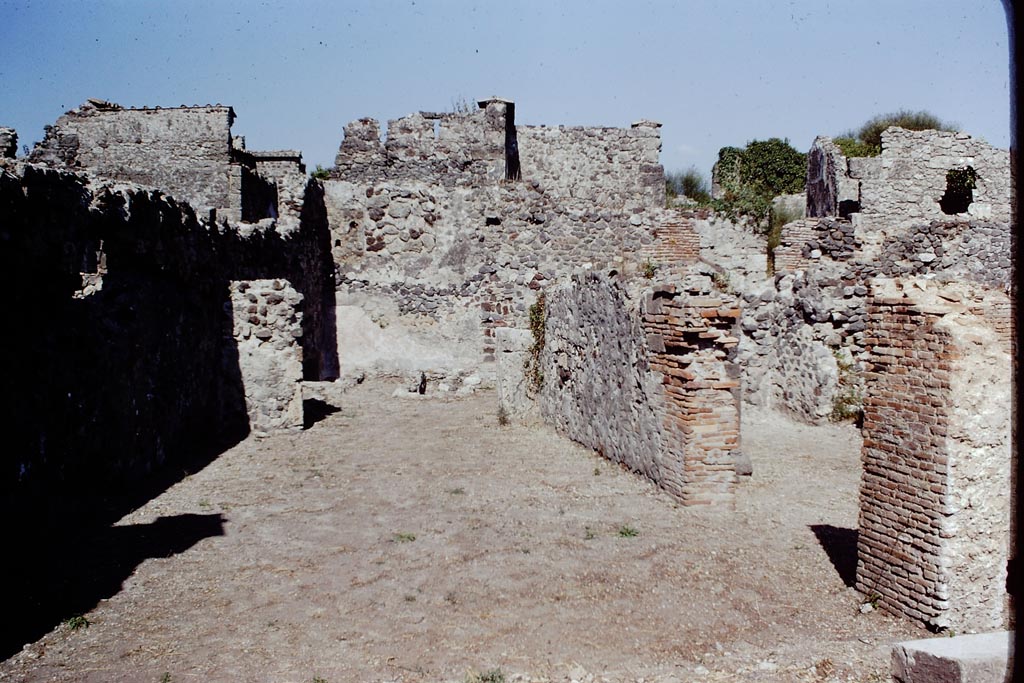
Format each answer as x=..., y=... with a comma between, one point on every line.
x=321, y=173
x=538, y=318
x=848, y=404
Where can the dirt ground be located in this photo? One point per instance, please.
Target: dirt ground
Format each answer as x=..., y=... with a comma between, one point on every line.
x=417, y=540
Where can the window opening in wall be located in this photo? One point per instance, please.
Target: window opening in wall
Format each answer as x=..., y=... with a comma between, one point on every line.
x=437, y=129
x=960, y=183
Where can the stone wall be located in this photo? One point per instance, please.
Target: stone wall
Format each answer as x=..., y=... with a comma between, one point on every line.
x=427, y=221
x=647, y=379
x=128, y=361
x=805, y=241
x=906, y=183
x=934, y=523
x=831, y=191
x=278, y=163
x=267, y=332
x=8, y=143
x=187, y=152
x=801, y=330
x=610, y=167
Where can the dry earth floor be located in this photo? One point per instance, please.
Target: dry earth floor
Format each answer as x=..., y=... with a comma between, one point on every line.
x=418, y=540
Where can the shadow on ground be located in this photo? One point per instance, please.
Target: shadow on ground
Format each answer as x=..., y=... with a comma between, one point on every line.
x=53, y=578
x=841, y=547
x=314, y=410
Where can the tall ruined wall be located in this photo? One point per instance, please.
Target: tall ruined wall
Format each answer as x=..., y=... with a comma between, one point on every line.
x=934, y=523
x=463, y=149
x=426, y=224
x=830, y=189
x=611, y=167
x=906, y=185
x=646, y=380
x=131, y=360
x=184, y=151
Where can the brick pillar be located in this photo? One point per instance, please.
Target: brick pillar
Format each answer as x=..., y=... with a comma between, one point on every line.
x=934, y=515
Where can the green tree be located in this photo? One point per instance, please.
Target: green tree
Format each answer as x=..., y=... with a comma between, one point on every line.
x=750, y=177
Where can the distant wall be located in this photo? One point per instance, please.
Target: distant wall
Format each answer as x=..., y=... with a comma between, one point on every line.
x=8, y=143
x=906, y=183
x=610, y=167
x=429, y=218
x=185, y=152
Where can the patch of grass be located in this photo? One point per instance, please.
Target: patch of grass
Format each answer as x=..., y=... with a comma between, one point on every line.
x=76, y=622
x=589, y=534
x=409, y=597
x=457, y=491
x=502, y=416
x=318, y=679
x=649, y=270
x=720, y=281
x=404, y=537
x=166, y=678
x=597, y=471
x=320, y=173
x=626, y=531
x=492, y=676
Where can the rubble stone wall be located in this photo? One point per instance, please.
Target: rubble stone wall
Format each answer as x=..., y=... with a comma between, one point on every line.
x=428, y=220
x=128, y=296
x=646, y=380
x=267, y=330
x=184, y=151
x=611, y=167
x=8, y=143
x=934, y=518
x=904, y=184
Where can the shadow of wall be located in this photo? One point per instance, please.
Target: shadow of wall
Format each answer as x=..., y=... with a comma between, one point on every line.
x=111, y=394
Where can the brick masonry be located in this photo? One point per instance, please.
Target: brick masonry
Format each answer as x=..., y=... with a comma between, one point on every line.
x=647, y=379
x=934, y=513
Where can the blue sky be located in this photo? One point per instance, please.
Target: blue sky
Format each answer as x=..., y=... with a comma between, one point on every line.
x=715, y=73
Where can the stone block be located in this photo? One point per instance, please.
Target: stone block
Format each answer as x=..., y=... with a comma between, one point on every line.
x=980, y=658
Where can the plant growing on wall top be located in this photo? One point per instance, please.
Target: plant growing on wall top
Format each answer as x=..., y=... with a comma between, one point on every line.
x=866, y=141
x=320, y=173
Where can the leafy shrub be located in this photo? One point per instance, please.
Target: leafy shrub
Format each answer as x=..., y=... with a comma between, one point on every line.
x=321, y=173
x=752, y=176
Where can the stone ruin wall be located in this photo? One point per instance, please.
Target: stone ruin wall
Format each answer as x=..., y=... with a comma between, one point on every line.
x=426, y=225
x=802, y=332
x=935, y=515
x=647, y=379
x=90, y=256
x=187, y=152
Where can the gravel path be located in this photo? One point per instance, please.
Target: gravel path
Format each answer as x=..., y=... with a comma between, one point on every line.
x=417, y=540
